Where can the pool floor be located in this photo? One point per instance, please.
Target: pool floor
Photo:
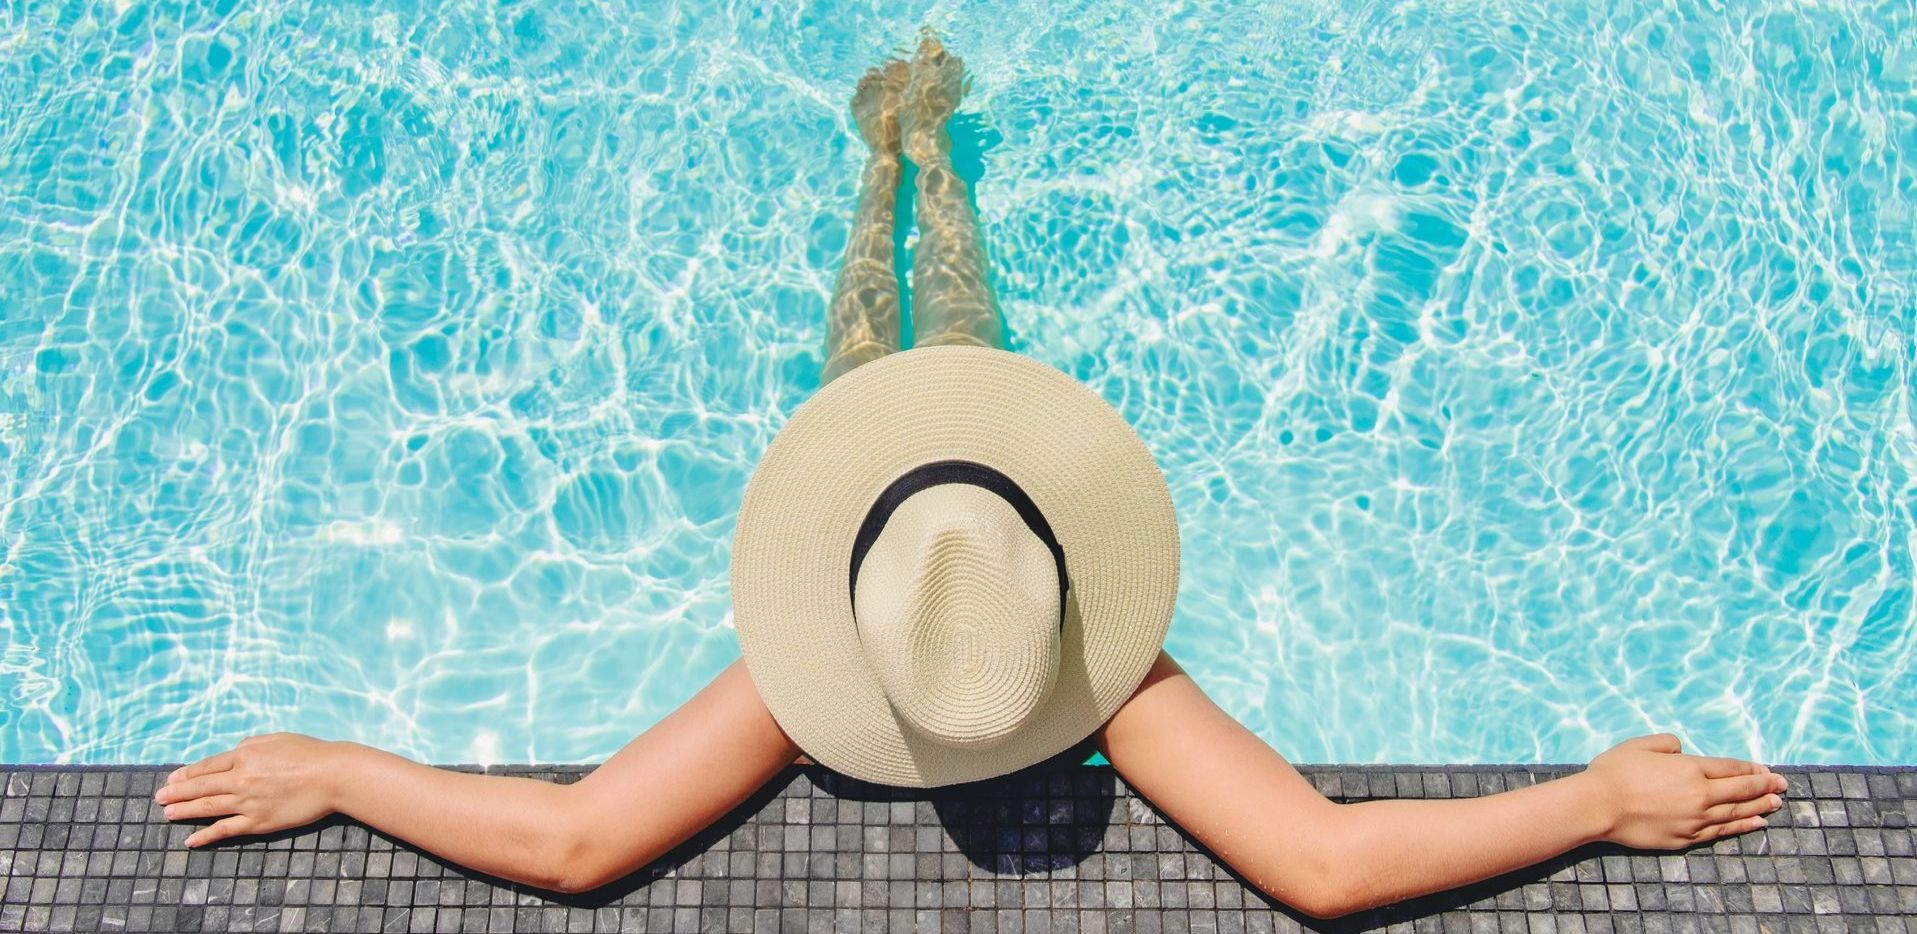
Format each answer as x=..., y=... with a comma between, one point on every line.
x=1053, y=848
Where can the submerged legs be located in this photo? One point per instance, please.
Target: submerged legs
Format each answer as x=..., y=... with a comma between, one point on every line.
x=905, y=108
x=951, y=301
x=863, y=321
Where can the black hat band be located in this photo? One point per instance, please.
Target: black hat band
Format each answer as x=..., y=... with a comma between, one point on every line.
x=955, y=471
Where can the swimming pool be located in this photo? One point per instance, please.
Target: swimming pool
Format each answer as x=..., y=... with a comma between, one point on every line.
x=1527, y=377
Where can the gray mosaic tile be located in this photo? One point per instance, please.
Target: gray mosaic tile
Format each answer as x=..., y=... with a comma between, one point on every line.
x=1058, y=848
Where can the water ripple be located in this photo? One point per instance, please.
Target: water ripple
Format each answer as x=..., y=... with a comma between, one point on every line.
x=1526, y=375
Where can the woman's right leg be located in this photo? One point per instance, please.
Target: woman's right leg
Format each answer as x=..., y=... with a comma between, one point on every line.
x=951, y=301
x=863, y=321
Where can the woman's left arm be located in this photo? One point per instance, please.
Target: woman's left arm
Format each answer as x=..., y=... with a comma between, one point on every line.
x=698, y=763
x=512, y=827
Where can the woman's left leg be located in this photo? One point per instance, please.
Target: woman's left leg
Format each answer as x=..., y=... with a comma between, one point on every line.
x=863, y=321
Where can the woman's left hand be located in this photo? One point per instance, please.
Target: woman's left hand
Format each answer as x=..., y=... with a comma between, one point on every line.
x=266, y=783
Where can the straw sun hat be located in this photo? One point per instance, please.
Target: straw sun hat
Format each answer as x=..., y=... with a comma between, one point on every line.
x=953, y=562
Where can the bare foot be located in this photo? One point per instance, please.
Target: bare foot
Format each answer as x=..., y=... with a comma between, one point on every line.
x=937, y=85
x=875, y=105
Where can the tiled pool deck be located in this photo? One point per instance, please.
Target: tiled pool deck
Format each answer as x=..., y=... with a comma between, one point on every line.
x=1058, y=848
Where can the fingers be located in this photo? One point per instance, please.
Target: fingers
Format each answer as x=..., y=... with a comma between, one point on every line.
x=1740, y=810
x=1741, y=787
x=1716, y=767
x=214, y=784
x=206, y=766
x=209, y=806
x=1728, y=829
x=221, y=829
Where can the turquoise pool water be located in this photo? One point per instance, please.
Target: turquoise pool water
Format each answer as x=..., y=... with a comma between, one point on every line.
x=1527, y=376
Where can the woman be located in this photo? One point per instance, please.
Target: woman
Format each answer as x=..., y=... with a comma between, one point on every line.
x=954, y=563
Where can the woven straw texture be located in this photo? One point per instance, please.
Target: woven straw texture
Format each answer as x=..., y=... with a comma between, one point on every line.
x=1084, y=467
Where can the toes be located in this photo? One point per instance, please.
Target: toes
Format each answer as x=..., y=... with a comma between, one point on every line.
x=937, y=84
x=896, y=73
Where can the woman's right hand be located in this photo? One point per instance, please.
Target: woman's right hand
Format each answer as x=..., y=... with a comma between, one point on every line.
x=1658, y=798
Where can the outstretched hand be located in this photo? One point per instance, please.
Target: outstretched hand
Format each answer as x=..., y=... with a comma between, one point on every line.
x=266, y=783
x=1659, y=798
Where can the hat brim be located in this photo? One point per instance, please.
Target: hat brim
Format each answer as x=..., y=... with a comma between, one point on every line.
x=1076, y=457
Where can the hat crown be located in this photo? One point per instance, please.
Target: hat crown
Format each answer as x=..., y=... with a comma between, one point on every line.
x=957, y=606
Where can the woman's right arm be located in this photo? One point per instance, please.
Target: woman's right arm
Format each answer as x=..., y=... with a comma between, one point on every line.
x=1239, y=797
